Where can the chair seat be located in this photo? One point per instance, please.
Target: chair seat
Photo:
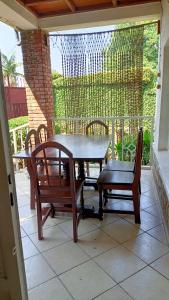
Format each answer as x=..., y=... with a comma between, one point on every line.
x=59, y=190
x=115, y=177
x=118, y=165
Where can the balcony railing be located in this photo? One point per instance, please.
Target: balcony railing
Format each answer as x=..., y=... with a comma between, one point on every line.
x=17, y=139
x=123, y=131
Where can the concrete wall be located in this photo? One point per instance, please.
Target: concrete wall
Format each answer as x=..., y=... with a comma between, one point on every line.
x=162, y=111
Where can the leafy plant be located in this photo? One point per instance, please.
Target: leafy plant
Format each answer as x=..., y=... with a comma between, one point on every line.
x=9, y=66
x=147, y=138
x=124, y=150
x=13, y=123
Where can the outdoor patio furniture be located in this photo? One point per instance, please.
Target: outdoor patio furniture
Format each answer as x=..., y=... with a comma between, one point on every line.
x=109, y=181
x=126, y=166
x=95, y=127
x=42, y=133
x=84, y=148
x=53, y=186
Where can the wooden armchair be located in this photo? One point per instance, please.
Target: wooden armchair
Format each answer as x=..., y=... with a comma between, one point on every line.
x=55, y=186
x=95, y=127
x=122, y=180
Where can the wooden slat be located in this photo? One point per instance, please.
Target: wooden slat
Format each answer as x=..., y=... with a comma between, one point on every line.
x=114, y=2
x=46, y=8
x=71, y=5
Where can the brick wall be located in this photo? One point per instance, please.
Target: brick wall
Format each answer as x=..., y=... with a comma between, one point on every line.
x=37, y=69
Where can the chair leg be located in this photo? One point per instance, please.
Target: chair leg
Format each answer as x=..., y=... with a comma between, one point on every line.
x=100, y=166
x=139, y=187
x=75, y=235
x=39, y=219
x=136, y=204
x=87, y=169
x=100, y=203
x=32, y=195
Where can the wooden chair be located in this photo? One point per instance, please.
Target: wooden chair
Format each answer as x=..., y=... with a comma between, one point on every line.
x=42, y=134
x=31, y=139
x=30, y=144
x=53, y=186
x=122, y=180
x=95, y=127
x=126, y=166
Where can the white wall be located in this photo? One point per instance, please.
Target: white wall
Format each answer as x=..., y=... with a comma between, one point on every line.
x=162, y=111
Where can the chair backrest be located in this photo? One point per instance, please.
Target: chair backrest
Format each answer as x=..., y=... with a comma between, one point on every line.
x=42, y=133
x=138, y=156
x=97, y=127
x=31, y=139
x=53, y=182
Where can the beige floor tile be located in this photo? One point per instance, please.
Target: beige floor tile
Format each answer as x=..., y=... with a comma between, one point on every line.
x=53, y=236
x=116, y=293
x=28, y=247
x=65, y=257
x=162, y=265
x=119, y=263
x=96, y=242
x=84, y=227
x=148, y=221
x=145, y=188
x=30, y=225
x=23, y=233
x=120, y=205
x=154, y=210
x=147, y=285
x=50, y=290
x=108, y=219
x=121, y=230
x=23, y=199
x=25, y=212
x=146, y=247
x=146, y=201
x=86, y=281
x=150, y=193
x=158, y=232
x=37, y=271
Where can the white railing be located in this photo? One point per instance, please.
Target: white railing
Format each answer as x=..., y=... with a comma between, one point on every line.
x=17, y=139
x=123, y=131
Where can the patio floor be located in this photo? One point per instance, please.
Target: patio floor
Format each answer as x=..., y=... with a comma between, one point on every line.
x=113, y=260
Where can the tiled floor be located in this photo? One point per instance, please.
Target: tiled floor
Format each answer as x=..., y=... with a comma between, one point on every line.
x=113, y=260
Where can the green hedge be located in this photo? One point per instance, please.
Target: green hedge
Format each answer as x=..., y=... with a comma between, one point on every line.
x=17, y=122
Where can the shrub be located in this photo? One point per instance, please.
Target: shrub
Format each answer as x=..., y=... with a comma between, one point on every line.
x=13, y=123
x=17, y=122
x=129, y=145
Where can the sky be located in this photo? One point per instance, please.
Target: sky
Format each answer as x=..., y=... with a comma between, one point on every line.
x=8, y=44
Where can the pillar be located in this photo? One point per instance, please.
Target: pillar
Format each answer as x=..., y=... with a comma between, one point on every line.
x=37, y=69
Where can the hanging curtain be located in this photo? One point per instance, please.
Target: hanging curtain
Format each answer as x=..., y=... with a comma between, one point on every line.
x=102, y=73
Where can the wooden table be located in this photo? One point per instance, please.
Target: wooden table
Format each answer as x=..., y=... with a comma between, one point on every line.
x=84, y=149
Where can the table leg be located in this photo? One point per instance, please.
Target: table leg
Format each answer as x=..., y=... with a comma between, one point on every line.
x=81, y=172
x=32, y=190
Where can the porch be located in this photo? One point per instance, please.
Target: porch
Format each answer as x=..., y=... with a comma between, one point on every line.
x=113, y=259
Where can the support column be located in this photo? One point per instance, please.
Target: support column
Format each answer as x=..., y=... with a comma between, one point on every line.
x=37, y=69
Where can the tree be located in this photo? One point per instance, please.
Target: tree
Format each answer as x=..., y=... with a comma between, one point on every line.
x=9, y=66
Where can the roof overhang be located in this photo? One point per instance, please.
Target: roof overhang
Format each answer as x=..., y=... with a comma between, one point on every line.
x=102, y=17
x=16, y=15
